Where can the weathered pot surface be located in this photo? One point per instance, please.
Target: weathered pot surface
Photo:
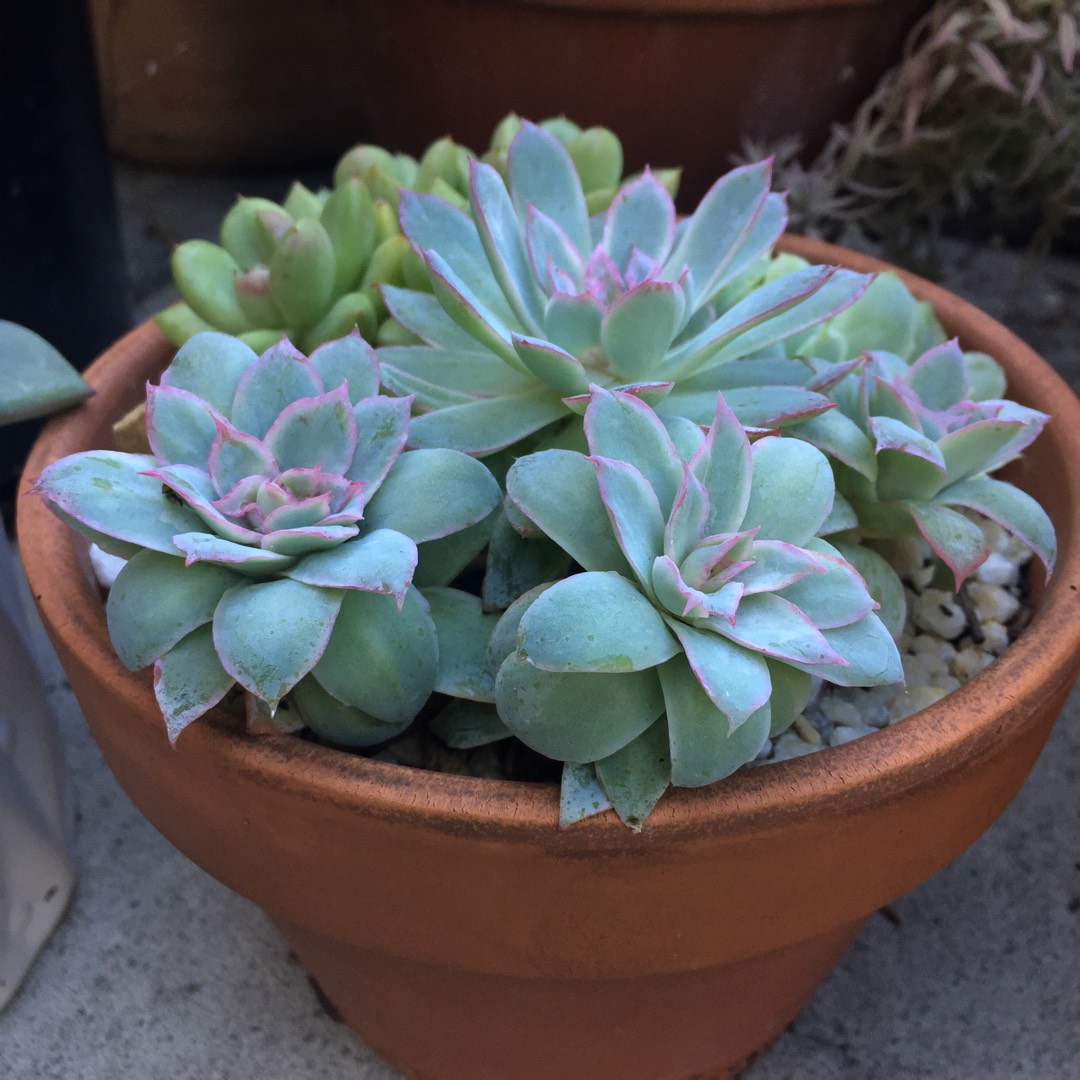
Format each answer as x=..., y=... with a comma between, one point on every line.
x=462, y=934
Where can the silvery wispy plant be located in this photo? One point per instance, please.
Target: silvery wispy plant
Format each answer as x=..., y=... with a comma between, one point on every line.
x=271, y=538
x=913, y=446
x=309, y=267
x=534, y=299
x=705, y=604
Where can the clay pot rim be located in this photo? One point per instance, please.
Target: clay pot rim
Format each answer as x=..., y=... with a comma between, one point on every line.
x=935, y=741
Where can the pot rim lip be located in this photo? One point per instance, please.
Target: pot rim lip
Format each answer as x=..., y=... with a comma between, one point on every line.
x=936, y=741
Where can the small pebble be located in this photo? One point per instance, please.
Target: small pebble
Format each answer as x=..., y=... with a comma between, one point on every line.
x=846, y=734
x=914, y=699
x=106, y=566
x=969, y=661
x=993, y=602
x=790, y=745
x=936, y=611
x=997, y=570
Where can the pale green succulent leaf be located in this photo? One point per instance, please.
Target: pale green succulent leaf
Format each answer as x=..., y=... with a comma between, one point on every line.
x=271, y=383
x=490, y=424
x=841, y=517
x=551, y=252
x=431, y=493
x=432, y=225
x=34, y=378
x=637, y=330
x=542, y=174
x=838, y=289
x=467, y=373
x=440, y=561
x=765, y=406
x=422, y=313
x=156, y=600
x=302, y=272
x=557, y=489
x=635, y=777
x=501, y=236
x=270, y=634
x=871, y=656
x=469, y=312
x=735, y=679
x=955, y=539
x=576, y=716
x=108, y=492
x=516, y=564
x=504, y=638
x=204, y=275
x=703, y=747
x=383, y=427
x=985, y=376
x=349, y=360
x=573, y=323
x=756, y=246
x=464, y=632
x=580, y=795
x=641, y=218
x=1013, y=509
x=594, y=622
x=181, y=427
x=792, y=491
x=939, y=376
x=887, y=316
x=619, y=426
x=380, y=659
x=349, y=220
x=465, y=725
x=635, y=513
x=910, y=465
x=315, y=433
x=189, y=680
x=840, y=438
x=835, y=598
x=241, y=234
x=686, y=524
x=381, y=561
x=986, y=445
x=769, y=624
x=201, y=546
x=178, y=323
x=882, y=581
x=334, y=721
x=723, y=464
x=551, y=365
x=210, y=365
x=719, y=226
x=790, y=694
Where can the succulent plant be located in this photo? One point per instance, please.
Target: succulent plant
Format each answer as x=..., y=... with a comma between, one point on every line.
x=705, y=603
x=533, y=300
x=271, y=537
x=310, y=268
x=913, y=445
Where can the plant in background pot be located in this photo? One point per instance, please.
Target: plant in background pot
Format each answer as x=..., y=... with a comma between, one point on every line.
x=621, y=516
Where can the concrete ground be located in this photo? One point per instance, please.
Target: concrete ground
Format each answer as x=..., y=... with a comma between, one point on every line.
x=160, y=973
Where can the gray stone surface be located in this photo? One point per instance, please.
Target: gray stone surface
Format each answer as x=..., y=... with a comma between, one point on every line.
x=159, y=973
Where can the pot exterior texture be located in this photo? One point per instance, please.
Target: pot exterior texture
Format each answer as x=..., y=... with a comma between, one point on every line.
x=188, y=84
x=466, y=937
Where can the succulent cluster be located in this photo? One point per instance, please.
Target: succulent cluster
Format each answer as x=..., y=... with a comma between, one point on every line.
x=272, y=535
x=624, y=501
x=310, y=268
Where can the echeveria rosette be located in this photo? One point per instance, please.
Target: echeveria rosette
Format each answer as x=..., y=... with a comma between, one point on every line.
x=917, y=449
x=272, y=537
x=705, y=604
x=534, y=300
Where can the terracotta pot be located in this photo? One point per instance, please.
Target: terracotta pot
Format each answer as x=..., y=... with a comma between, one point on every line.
x=198, y=84
x=463, y=935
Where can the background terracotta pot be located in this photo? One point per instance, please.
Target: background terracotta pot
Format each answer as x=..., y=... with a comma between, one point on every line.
x=463, y=935
x=200, y=84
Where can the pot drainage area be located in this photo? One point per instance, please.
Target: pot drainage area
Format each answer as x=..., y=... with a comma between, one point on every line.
x=158, y=971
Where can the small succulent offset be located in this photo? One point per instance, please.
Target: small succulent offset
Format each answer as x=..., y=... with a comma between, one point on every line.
x=310, y=268
x=705, y=605
x=271, y=537
x=921, y=440
x=534, y=300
